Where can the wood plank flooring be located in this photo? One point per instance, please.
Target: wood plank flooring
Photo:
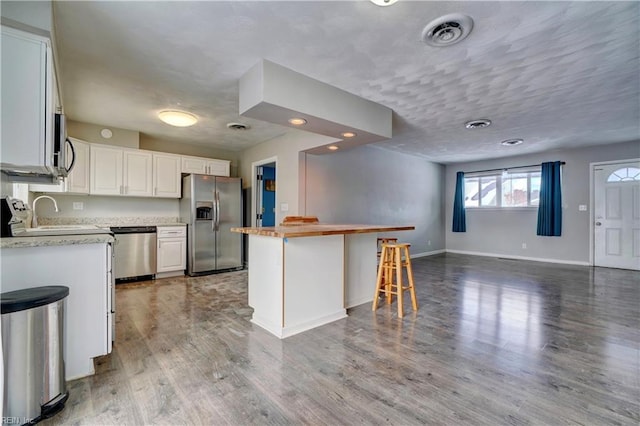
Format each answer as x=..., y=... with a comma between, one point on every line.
x=495, y=342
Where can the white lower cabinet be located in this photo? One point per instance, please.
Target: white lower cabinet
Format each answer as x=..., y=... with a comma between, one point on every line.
x=172, y=249
x=85, y=269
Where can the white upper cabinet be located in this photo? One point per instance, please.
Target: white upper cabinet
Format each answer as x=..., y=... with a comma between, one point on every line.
x=27, y=99
x=106, y=170
x=138, y=173
x=166, y=176
x=205, y=166
x=134, y=172
x=77, y=182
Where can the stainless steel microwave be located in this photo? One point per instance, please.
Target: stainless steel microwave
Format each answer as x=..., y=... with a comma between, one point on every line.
x=50, y=162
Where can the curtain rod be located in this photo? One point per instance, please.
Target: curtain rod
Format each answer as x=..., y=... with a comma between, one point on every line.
x=509, y=168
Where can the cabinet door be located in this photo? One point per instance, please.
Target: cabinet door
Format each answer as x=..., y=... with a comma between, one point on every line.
x=106, y=170
x=26, y=99
x=218, y=167
x=78, y=179
x=138, y=173
x=166, y=176
x=194, y=165
x=172, y=254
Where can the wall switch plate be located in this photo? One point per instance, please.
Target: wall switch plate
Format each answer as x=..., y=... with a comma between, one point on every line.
x=78, y=206
x=524, y=245
x=582, y=207
x=284, y=207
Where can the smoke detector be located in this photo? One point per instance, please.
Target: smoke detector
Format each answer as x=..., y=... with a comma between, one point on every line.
x=447, y=30
x=238, y=126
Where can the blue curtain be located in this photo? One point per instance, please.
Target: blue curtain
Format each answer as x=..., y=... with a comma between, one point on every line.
x=550, y=206
x=459, y=219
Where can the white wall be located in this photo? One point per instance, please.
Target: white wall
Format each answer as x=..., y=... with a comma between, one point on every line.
x=369, y=185
x=286, y=149
x=90, y=132
x=502, y=232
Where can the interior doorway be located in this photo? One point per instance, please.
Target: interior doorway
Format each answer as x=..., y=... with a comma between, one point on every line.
x=264, y=183
x=616, y=214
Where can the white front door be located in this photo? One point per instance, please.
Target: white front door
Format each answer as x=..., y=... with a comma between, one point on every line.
x=617, y=215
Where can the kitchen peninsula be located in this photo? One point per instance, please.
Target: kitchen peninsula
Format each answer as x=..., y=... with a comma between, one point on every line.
x=301, y=277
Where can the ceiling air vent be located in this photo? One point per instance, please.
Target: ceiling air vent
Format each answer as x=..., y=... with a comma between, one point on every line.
x=477, y=124
x=238, y=126
x=447, y=30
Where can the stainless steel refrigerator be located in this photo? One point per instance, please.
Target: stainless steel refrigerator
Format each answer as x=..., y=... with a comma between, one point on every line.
x=211, y=206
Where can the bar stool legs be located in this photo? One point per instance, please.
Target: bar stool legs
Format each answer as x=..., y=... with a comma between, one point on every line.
x=391, y=259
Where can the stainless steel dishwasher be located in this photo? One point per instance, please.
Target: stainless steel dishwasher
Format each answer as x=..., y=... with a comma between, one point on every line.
x=135, y=252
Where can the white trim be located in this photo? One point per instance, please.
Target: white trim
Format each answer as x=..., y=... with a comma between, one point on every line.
x=427, y=253
x=255, y=186
x=592, y=200
x=284, y=332
x=509, y=256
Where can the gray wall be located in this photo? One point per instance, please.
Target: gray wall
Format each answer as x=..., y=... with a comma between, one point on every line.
x=502, y=232
x=369, y=185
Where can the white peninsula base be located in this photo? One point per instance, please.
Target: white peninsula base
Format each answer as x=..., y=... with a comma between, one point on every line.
x=304, y=278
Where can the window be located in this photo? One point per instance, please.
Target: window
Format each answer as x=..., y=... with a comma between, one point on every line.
x=625, y=174
x=506, y=189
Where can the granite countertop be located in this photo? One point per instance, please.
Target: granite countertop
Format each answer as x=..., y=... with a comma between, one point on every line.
x=57, y=240
x=106, y=222
x=318, y=230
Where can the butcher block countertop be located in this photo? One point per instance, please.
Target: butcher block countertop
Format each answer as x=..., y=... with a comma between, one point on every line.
x=318, y=230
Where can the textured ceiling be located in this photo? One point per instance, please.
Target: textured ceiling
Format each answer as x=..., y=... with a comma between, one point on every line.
x=556, y=74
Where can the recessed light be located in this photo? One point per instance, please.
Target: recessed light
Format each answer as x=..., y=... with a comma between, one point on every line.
x=178, y=118
x=383, y=2
x=297, y=121
x=333, y=147
x=477, y=124
x=512, y=142
x=348, y=135
x=106, y=133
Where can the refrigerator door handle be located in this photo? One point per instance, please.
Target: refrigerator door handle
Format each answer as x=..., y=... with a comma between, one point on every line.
x=214, y=211
x=217, y=211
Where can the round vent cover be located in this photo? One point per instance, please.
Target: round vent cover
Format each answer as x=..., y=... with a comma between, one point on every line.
x=477, y=124
x=447, y=30
x=238, y=126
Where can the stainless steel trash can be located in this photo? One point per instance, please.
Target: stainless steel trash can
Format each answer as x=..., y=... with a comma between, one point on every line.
x=33, y=353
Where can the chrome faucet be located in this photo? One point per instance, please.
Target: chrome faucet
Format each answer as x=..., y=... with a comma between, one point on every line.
x=34, y=220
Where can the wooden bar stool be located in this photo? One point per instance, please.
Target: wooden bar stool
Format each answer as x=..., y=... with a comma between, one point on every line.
x=391, y=259
x=385, y=240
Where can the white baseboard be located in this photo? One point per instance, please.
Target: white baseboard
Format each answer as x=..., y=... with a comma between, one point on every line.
x=427, y=253
x=509, y=256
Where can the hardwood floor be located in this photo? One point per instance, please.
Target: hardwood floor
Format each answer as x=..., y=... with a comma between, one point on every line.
x=495, y=342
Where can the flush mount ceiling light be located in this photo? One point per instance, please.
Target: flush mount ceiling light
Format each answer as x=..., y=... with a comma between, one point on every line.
x=333, y=148
x=447, y=30
x=178, y=118
x=383, y=2
x=477, y=124
x=297, y=121
x=512, y=142
x=348, y=135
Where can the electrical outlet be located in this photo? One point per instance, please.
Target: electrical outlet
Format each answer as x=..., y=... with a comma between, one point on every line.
x=524, y=245
x=78, y=206
x=284, y=207
x=582, y=208
x=429, y=242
